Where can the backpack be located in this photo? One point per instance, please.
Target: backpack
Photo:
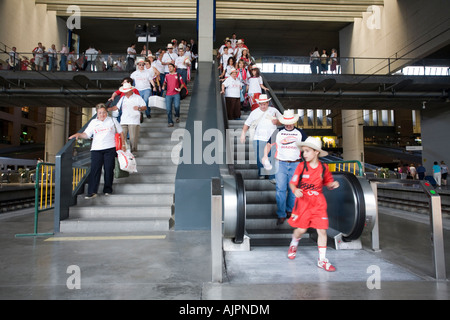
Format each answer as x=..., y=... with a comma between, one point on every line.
x=184, y=92
x=306, y=167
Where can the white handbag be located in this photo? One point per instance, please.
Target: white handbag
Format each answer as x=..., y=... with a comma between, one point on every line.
x=127, y=161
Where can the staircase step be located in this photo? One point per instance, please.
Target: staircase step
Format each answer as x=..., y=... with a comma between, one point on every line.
x=116, y=199
x=120, y=212
x=114, y=226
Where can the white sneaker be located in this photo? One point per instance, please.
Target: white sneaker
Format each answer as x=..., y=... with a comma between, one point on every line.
x=324, y=264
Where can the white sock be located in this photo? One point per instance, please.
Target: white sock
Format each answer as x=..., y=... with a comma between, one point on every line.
x=294, y=241
x=322, y=252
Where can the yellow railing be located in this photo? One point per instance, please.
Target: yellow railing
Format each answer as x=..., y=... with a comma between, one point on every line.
x=353, y=166
x=77, y=175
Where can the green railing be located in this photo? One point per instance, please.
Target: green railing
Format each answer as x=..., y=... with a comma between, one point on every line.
x=44, y=195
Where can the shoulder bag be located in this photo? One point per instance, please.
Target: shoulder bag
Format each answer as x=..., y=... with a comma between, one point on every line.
x=252, y=129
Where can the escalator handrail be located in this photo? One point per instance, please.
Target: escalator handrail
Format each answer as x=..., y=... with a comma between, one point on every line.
x=227, y=166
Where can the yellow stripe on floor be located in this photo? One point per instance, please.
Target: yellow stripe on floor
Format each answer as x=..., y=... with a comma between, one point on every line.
x=95, y=238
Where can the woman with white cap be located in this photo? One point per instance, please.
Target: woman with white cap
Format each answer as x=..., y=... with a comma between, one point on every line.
x=287, y=158
x=143, y=81
x=310, y=210
x=131, y=105
x=232, y=89
x=262, y=122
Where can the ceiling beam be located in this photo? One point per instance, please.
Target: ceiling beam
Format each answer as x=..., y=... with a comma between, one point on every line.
x=289, y=10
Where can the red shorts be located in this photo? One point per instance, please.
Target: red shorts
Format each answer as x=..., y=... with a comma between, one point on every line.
x=309, y=212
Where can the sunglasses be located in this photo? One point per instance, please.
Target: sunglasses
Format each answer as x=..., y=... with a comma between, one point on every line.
x=141, y=65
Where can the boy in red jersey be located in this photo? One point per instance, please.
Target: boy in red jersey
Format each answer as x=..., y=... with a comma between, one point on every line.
x=310, y=210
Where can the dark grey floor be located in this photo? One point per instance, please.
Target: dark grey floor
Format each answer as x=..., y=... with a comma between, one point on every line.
x=176, y=265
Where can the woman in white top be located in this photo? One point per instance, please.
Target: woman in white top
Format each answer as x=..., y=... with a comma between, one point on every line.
x=232, y=89
x=103, y=150
x=255, y=85
x=142, y=81
x=131, y=104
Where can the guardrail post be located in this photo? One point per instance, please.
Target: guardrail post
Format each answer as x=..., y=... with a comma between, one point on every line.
x=216, y=230
x=437, y=234
x=375, y=233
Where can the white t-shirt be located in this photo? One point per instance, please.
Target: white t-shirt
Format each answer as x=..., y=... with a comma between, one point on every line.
x=151, y=71
x=232, y=87
x=103, y=133
x=167, y=57
x=224, y=59
x=254, y=85
x=158, y=65
x=286, y=143
x=129, y=115
x=141, y=79
x=91, y=54
x=265, y=127
x=180, y=62
x=131, y=53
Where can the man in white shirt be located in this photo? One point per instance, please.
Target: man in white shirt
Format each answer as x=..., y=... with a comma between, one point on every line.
x=63, y=62
x=169, y=57
x=39, y=57
x=131, y=57
x=264, y=119
x=182, y=64
x=91, y=55
x=287, y=157
x=52, y=59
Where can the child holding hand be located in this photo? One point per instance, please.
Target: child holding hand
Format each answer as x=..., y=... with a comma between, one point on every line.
x=310, y=210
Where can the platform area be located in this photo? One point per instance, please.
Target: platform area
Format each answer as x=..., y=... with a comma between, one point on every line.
x=176, y=265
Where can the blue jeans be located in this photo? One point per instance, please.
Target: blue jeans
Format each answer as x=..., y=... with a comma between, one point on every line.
x=175, y=99
x=183, y=74
x=145, y=94
x=258, y=147
x=285, y=197
x=63, y=63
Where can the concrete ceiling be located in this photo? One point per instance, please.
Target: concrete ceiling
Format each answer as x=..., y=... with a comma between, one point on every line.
x=269, y=27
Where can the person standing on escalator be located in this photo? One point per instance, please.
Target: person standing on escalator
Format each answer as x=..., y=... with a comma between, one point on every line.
x=287, y=158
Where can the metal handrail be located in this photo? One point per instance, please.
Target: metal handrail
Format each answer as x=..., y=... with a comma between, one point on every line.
x=65, y=190
x=356, y=65
x=233, y=183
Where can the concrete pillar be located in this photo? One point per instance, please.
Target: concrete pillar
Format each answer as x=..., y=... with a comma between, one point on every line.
x=205, y=16
x=435, y=120
x=55, y=132
x=352, y=135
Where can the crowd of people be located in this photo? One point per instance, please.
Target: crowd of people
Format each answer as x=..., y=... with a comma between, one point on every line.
x=123, y=113
x=322, y=63
x=242, y=83
x=418, y=172
x=92, y=59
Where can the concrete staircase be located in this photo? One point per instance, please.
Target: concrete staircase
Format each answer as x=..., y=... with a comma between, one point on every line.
x=142, y=202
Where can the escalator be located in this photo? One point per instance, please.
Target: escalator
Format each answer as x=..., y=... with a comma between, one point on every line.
x=351, y=207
